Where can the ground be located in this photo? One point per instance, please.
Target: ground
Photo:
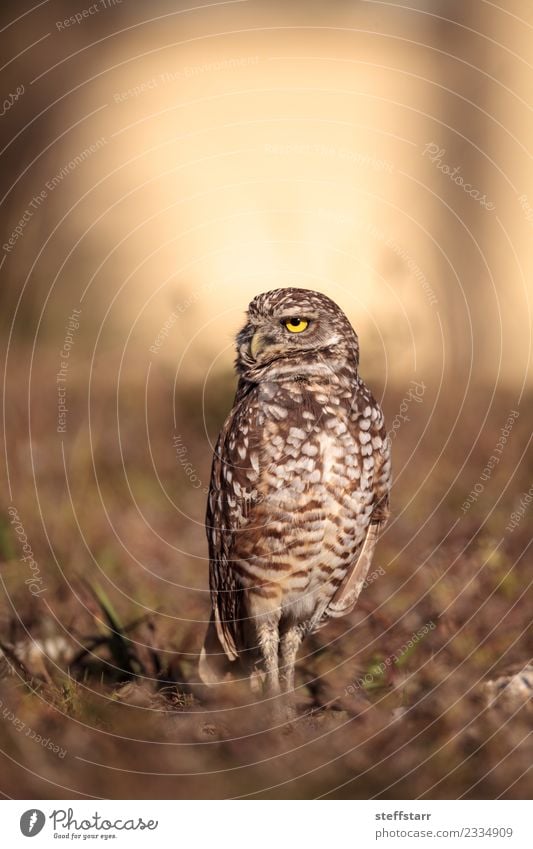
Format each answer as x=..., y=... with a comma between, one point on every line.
x=101, y=626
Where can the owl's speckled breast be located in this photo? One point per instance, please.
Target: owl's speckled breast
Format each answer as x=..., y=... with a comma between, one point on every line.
x=313, y=471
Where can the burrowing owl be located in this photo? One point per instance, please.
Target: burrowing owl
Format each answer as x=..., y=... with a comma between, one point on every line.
x=299, y=488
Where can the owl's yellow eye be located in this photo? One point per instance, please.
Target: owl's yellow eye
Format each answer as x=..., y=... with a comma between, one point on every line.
x=296, y=325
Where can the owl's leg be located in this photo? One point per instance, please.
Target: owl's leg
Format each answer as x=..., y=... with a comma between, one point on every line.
x=289, y=645
x=268, y=639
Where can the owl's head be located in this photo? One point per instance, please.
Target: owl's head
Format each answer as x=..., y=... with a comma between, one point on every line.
x=295, y=331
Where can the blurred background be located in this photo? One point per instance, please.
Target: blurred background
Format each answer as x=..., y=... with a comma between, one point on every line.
x=160, y=165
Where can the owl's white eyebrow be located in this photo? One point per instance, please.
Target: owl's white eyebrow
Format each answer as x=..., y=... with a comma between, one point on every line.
x=298, y=314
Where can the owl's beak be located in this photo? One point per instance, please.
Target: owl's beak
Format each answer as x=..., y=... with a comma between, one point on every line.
x=256, y=344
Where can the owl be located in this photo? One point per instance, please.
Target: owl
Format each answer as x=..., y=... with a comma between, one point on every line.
x=299, y=489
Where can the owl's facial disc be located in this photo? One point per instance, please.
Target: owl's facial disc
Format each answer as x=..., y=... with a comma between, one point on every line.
x=289, y=333
x=272, y=338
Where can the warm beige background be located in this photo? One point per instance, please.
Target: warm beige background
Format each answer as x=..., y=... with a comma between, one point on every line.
x=256, y=148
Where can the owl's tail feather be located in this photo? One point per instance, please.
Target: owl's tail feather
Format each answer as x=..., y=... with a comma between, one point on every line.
x=214, y=665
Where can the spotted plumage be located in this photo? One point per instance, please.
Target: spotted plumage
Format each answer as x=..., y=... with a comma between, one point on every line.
x=299, y=488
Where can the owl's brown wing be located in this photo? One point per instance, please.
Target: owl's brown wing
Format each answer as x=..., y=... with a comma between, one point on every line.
x=348, y=591
x=227, y=513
